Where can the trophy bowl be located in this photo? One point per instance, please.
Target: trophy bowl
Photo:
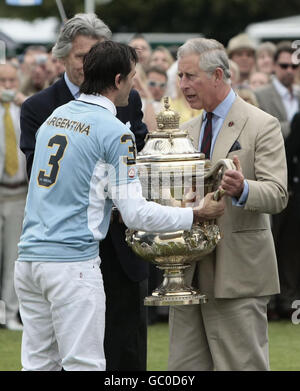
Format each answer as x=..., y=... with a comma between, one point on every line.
x=173, y=173
x=173, y=253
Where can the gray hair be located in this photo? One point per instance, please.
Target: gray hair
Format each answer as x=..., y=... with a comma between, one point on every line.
x=81, y=24
x=211, y=53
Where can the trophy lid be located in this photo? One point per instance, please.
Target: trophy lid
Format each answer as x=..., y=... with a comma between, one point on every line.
x=168, y=142
x=167, y=120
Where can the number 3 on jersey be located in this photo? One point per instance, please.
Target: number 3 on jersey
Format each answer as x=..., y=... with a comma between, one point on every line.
x=54, y=161
x=129, y=160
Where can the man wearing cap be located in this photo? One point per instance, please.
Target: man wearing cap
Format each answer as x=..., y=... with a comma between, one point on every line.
x=241, y=49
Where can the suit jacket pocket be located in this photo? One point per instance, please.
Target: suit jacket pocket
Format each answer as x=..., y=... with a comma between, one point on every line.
x=249, y=231
x=246, y=158
x=243, y=221
x=239, y=153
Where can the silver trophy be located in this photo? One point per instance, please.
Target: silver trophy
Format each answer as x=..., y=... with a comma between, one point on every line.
x=173, y=173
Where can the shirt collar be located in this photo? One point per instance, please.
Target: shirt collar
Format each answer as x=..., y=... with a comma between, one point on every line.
x=72, y=87
x=99, y=100
x=281, y=89
x=223, y=108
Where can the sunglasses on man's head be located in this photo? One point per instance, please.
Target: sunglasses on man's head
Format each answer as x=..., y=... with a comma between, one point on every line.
x=286, y=66
x=156, y=84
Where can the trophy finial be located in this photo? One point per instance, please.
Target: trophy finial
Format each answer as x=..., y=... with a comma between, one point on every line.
x=167, y=119
x=166, y=103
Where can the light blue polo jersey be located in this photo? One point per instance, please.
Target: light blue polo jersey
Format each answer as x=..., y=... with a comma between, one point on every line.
x=80, y=149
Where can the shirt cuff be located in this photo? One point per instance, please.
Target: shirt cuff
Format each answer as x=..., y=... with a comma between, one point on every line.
x=243, y=198
x=187, y=218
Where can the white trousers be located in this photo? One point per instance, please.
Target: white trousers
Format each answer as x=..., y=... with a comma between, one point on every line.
x=62, y=306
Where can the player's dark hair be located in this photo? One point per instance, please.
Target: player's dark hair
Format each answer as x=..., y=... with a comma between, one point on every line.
x=103, y=62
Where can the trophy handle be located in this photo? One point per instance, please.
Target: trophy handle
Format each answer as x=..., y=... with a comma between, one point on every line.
x=215, y=171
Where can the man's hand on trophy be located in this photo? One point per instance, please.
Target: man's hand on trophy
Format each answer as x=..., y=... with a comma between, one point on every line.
x=209, y=209
x=233, y=180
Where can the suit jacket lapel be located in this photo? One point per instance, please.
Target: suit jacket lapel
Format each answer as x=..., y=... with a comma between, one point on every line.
x=195, y=129
x=65, y=94
x=230, y=131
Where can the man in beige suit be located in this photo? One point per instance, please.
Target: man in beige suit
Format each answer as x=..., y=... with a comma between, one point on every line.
x=230, y=331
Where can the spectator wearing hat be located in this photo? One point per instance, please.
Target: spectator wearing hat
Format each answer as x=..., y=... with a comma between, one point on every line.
x=241, y=49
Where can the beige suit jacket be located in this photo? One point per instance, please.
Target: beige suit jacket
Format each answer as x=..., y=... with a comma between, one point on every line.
x=245, y=260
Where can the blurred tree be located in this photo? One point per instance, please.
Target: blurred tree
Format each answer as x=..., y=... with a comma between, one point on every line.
x=219, y=19
x=214, y=18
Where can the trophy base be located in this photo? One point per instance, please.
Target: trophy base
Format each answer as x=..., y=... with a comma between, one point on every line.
x=173, y=290
x=175, y=300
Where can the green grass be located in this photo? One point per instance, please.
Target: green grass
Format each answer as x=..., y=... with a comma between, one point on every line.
x=284, y=340
x=284, y=346
x=10, y=350
x=158, y=343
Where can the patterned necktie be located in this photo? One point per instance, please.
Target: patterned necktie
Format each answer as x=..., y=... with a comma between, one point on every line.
x=206, y=141
x=11, y=153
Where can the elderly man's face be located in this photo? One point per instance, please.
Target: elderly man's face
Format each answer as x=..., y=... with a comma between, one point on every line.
x=196, y=85
x=74, y=60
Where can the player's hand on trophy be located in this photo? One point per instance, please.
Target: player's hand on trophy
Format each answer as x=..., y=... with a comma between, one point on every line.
x=209, y=209
x=233, y=180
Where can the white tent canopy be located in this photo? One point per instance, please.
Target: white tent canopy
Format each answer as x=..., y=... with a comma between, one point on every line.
x=42, y=31
x=276, y=29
